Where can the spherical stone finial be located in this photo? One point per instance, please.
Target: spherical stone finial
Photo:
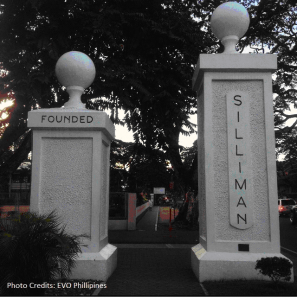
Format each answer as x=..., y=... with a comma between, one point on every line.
x=76, y=71
x=229, y=22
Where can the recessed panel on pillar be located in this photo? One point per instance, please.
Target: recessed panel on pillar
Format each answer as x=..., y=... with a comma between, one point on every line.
x=239, y=160
x=70, y=195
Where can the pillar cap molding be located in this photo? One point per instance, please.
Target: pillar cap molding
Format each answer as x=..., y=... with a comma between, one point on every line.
x=233, y=63
x=71, y=119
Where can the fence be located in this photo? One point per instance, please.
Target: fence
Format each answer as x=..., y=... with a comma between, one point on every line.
x=13, y=202
x=15, y=198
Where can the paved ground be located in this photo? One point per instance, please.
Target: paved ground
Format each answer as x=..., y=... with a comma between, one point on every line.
x=153, y=263
x=154, y=271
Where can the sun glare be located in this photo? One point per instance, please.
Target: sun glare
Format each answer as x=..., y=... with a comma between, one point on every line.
x=3, y=105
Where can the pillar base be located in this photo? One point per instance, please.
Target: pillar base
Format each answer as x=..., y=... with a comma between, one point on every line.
x=214, y=266
x=96, y=266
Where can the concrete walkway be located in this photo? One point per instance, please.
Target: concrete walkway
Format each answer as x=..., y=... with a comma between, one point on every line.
x=157, y=270
x=149, y=220
x=153, y=263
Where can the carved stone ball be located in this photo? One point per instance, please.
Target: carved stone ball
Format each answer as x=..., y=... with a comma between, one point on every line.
x=75, y=69
x=230, y=18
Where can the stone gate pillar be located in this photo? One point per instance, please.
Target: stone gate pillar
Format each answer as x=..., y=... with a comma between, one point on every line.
x=238, y=216
x=70, y=169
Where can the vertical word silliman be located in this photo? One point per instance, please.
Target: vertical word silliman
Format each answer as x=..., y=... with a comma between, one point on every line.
x=239, y=157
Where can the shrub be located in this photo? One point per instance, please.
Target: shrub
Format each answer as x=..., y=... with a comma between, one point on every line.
x=35, y=248
x=276, y=268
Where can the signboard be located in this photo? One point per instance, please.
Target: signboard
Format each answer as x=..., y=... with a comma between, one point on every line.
x=239, y=160
x=159, y=190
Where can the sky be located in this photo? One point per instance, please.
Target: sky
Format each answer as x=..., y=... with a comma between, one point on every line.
x=122, y=133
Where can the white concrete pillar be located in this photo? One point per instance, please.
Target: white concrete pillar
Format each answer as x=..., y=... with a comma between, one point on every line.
x=238, y=216
x=70, y=169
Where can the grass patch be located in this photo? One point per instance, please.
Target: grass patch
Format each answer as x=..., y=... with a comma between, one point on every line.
x=250, y=288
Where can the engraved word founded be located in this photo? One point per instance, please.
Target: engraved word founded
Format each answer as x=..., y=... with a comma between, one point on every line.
x=66, y=119
x=239, y=154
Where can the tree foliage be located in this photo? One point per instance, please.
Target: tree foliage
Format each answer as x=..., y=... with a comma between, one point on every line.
x=136, y=168
x=35, y=248
x=273, y=30
x=144, y=52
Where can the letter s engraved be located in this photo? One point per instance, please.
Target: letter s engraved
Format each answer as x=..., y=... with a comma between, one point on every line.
x=237, y=100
